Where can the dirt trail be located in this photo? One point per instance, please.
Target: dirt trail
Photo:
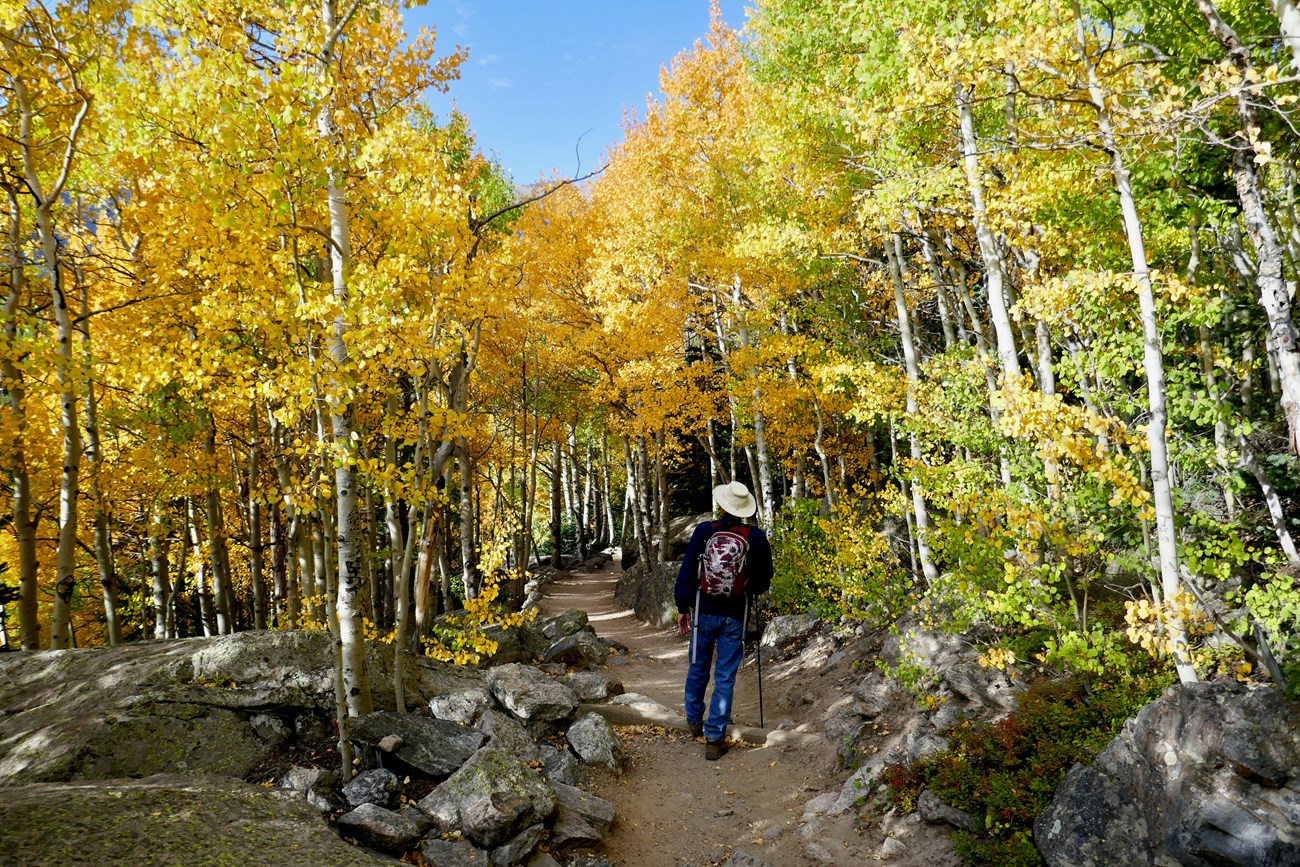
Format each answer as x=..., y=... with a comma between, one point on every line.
x=677, y=810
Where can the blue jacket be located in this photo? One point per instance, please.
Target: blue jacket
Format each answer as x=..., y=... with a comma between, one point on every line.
x=758, y=571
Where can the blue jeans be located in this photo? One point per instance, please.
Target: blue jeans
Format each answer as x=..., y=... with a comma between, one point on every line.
x=724, y=633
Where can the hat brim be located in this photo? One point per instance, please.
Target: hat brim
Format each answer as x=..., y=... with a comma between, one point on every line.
x=741, y=507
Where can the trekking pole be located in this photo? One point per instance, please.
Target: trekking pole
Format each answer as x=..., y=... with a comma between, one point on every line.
x=758, y=651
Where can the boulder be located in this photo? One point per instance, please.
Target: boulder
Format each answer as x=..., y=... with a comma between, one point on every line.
x=873, y=694
x=650, y=594
x=491, y=799
x=565, y=623
x=515, y=644
x=530, y=695
x=168, y=819
x=561, y=766
x=595, y=742
x=506, y=734
x=452, y=853
x=375, y=786
x=463, y=706
x=1208, y=774
x=987, y=687
x=579, y=650
x=789, y=628
x=593, y=686
x=596, y=811
x=381, y=828
x=518, y=847
x=933, y=649
x=933, y=810
x=925, y=746
x=431, y=746
x=318, y=786
x=220, y=705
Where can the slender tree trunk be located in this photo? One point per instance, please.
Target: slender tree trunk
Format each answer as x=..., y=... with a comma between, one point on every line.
x=557, y=505
x=255, y=549
x=158, y=571
x=661, y=498
x=919, y=509
x=222, y=593
x=994, y=268
x=202, y=581
x=1274, y=295
x=1152, y=361
x=1288, y=16
x=16, y=392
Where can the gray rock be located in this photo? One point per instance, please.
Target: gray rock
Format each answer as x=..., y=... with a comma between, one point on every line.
x=542, y=859
x=491, y=798
x=376, y=786
x=446, y=853
x=561, y=766
x=741, y=858
x=595, y=742
x=843, y=728
x=433, y=746
x=378, y=827
x=416, y=818
x=518, y=847
x=987, y=687
x=819, y=805
x=593, y=686
x=947, y=716
x=595, y=810
x=932, y=649
x=927, y=745
x=168, y=819
x=318, y=786
x=873, y=694
x=519, y=644
x=650, y=595
x=588, y=861
x=933, y=810
x=789, y=628
x=530, y=695
x=571, y=829
x=565, y=623
x=506, y=734
x=819, y=853
x=580, y=650
x=464, y=706
x=1208, y=774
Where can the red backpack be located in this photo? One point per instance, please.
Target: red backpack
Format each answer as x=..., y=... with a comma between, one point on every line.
x=722, y=563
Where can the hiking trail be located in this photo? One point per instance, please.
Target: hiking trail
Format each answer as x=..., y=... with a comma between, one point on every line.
x=677, y=810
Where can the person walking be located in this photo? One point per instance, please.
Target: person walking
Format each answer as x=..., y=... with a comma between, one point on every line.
x=727, y=564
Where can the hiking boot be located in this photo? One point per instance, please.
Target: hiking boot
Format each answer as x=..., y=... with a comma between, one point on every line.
x=714, y=750
x=697, y=729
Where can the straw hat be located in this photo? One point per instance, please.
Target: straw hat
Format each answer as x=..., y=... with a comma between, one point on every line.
x=735, y=499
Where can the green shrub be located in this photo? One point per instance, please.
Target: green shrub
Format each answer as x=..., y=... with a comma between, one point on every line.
x=1004, y=773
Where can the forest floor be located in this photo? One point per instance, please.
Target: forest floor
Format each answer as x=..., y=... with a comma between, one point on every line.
x=677, y=810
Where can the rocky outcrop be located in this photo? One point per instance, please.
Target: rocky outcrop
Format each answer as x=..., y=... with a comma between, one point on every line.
x=491, y=799
x=650, y=594
x=1206, y=776
x=432, y=746
x=530, y=695
x=168, y=819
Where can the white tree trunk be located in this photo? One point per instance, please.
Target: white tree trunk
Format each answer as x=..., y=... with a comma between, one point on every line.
x=350, y=635
x=1152, y=362
x=919, y=509
x=994, y=268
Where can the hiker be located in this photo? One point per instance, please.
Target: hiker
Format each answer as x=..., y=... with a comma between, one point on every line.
x=727, y=564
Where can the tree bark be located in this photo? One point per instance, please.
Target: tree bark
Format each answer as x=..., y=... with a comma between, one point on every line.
x=919, y=509
x=16, y=392
x=994, y=268
x=1274, y=296
x=1152, y=362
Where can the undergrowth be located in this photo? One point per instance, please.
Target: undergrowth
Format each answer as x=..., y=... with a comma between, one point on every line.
x=1004, y=774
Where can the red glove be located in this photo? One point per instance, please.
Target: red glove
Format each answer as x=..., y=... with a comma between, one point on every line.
x=683, y=624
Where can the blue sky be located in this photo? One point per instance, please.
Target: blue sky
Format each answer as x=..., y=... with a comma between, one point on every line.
x=540, y=74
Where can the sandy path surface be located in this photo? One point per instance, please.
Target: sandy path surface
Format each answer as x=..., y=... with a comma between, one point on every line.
x=675, y=809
